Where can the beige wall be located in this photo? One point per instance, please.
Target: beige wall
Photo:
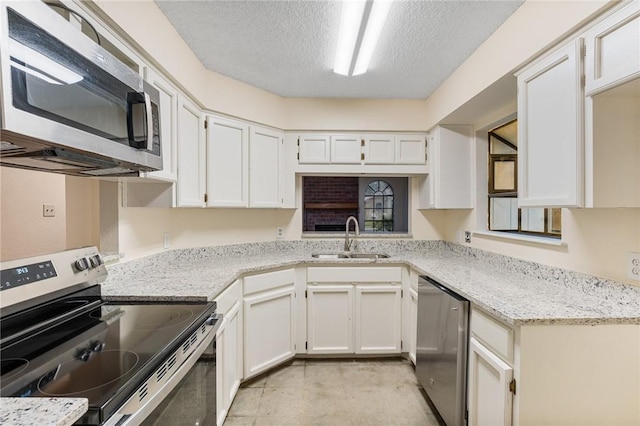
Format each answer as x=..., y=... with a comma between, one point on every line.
x=24, y=232
x=83, y=212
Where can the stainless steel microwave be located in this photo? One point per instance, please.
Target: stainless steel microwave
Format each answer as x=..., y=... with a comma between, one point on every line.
x=68, y=105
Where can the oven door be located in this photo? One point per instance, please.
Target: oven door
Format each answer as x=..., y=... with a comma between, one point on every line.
x=188, y=397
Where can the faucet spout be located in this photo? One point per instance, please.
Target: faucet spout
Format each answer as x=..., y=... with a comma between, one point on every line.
x=347, y=241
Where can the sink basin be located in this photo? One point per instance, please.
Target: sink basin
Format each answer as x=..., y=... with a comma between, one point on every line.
x=349, y=255
x=330, y=256
x=368, y=256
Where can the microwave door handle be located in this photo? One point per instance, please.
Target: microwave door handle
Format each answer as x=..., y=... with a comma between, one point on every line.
x=149, y=112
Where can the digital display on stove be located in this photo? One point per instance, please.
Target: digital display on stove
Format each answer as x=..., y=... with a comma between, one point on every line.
x=26, y=274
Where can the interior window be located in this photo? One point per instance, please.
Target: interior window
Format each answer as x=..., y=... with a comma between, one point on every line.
x=378, y=207
x=381, y=204
x=504, y=214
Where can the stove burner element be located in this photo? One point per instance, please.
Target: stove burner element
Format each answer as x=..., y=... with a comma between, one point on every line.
x=80, y=382
x=13, y=367
x=163, y=317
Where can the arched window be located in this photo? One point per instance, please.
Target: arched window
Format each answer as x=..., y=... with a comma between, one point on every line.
x=378, y=207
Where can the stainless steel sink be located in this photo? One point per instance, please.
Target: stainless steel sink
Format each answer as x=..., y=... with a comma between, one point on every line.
x=368, y=256
x=330, y=256
x=350, y=255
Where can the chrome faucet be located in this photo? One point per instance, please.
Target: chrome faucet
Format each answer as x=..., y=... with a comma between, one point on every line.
x=347, y=242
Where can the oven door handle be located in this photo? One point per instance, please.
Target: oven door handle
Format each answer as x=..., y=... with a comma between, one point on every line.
x=124, y=416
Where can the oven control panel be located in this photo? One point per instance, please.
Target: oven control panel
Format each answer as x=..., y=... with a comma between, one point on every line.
x=26, y=274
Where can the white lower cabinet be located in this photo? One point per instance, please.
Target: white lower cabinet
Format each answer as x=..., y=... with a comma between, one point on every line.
x=228, y=349
x=330, y=319
x=489, y=399
x=354, y=310
x=378, y=319
x=269, y=320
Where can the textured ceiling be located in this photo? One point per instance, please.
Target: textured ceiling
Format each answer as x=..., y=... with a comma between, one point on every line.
x=288, y=47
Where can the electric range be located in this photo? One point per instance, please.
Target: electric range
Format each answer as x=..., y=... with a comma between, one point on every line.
x=60, y=338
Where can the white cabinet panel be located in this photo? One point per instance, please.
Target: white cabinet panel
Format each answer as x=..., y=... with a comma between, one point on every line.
x=168, y=125
x=346, y=149
x=269, y=329
x=191, y=155
x=329, y=319
x=550, y=130
x=489, y=398
x=265, y=166
x=410, y=149
x=227, y=163
x=379, y=149
x=378, y=319
x=613, y=50
x=412, y=325
x=228, y=361
x=451, y=176
x=314, y=149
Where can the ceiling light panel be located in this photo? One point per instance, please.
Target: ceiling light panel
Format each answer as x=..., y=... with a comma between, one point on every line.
x=375, y=24
x=352, y=11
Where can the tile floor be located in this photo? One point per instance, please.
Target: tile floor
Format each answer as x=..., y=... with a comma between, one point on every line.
x=335, y=392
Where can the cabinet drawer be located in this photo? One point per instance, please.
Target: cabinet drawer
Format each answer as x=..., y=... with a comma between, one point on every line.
x=228, y=298
x=351, y=275
x=493, y=334
x=269, y=280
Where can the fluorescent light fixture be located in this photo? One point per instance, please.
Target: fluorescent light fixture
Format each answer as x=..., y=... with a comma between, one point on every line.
x=353, y=23
x=38, y=65
x=377, y=18
x=352, y=11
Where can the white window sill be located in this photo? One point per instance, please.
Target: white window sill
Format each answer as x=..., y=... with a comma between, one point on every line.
x=367, y=235
x=522, y=237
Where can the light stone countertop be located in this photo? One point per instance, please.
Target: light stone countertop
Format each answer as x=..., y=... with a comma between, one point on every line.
x=517, y=292
x=41, y=411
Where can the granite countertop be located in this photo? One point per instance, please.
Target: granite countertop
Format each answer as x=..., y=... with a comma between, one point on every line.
x=41, y=411
x=517, y=292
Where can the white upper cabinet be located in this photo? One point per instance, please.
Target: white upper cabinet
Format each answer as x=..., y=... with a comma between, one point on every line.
x=168, y=125
x=450, y=181
x=227, y=163
x=191, y=155
x=379, y=149
x=410, y=149
x=346, y=149
x=550, y=130
x=314, y=149
x=265, y=167
x=613, y=49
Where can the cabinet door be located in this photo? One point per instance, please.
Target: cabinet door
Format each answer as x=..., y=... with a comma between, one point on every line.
x=228, y=362
x=410, y=149
x=314, y=149
x=227, y=163
x=378, y=319
x=550, y=130
x=489, y=397
x=168, y=125
x=329, y=321
x=264, y=168
x=449, y=184
x=613, y=50
x=346, y=149
x=413, y=324
x=191, y=154
x=379, y=149
x=269, y=329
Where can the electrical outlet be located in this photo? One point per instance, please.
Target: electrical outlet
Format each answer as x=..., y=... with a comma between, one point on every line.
x=165, y=240
x=633, y=266
x=467, y=236
x=48, y=210
x=279, y=232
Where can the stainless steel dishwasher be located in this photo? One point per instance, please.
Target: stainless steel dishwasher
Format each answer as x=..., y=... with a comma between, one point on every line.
x=441, y=352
